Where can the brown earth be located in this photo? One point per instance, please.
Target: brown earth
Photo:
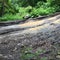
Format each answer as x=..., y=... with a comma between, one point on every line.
x=39, y=38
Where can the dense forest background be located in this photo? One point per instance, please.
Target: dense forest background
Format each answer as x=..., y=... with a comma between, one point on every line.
x=18, y=9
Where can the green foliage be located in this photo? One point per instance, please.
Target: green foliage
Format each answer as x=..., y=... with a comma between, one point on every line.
x=54, y=2
x=44, y=9
x=39, y=4
x=27, y=54
x=17, y=9
x=7, y=17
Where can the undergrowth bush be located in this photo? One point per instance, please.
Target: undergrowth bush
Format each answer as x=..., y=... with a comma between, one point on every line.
x=43, y=10
x=7, y=17
x=45, y=7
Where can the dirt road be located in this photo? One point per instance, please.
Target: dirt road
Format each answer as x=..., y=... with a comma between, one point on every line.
x=41, y=36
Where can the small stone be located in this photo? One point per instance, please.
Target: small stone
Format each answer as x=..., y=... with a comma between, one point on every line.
x=26, y=52
x=10, y=56
x=5, y=56
x=27, y=16
x=1, y=55
x=15, y=49
x=30, y=45
x=58, y=56
x=19, y=44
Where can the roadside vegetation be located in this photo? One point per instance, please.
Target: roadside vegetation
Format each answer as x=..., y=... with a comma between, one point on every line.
x=21, y=9
x=28, y=54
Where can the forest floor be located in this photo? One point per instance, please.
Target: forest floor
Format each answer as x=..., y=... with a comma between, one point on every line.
x=31, y=40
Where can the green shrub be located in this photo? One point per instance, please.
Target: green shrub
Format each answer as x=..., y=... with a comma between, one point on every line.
x=16, y=10
x=40, y=3
x=29, y=9
x=43, y=10
x=7, y=17
x=53, y=2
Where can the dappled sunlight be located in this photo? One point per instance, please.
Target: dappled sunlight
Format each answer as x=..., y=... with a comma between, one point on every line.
x=43, y=28
x=39, y=27
x=32, y=23
x=39, y=22
x=57, y=21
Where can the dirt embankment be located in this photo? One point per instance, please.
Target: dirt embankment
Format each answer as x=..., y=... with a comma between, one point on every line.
x=39, y=39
